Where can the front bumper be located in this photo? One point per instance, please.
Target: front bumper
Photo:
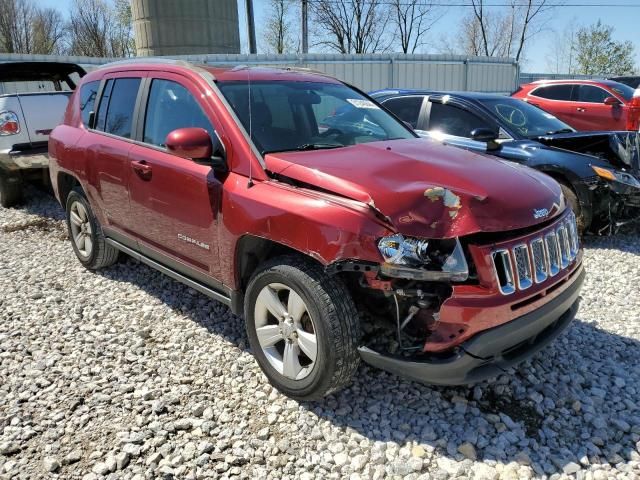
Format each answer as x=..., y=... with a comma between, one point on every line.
x=490, y=352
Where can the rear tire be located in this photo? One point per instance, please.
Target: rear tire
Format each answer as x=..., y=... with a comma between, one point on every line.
x=303, y=328
x=85, y=233
x=572, y=200
x=10, y=192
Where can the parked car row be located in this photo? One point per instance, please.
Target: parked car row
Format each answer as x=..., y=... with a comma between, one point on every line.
x=327, y=222
x=597, y=171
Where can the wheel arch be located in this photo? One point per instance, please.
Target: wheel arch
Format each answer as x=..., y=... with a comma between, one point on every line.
x=65, y=183
x=251, y=251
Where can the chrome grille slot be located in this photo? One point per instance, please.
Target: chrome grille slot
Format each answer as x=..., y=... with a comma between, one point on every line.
x=565, y=251
x=553, y=253
x=574, y=240
x=540, y=267
x=504, y=271
x=536, y=259
x=523, y=266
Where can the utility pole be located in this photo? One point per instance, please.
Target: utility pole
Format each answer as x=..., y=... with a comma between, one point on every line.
x=251, y=26
x=305, y=27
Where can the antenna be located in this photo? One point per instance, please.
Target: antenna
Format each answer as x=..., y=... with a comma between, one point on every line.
x=250, y=183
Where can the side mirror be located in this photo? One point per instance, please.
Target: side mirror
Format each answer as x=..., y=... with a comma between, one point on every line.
x=486, y=135
x=612, y=101
x=195, y=144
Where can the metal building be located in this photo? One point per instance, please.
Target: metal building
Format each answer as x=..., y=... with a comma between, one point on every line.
x=184, y=27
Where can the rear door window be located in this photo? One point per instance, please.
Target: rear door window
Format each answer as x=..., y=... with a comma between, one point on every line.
x=171, y=106
x=88, y=93
x=454, y=120
x=592, y=94
x=554, y=92
x=117, y=103
x=406, y=109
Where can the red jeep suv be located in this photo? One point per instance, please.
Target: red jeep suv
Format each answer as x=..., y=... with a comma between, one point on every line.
x=319, y=217
x=586, y=104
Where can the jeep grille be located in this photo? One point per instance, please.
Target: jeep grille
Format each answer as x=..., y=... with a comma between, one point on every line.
x=543, y=256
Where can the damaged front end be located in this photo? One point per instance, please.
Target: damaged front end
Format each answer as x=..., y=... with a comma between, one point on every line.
x=465, y=309
x=615, y=185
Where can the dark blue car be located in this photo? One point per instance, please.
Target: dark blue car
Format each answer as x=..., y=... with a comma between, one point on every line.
x=599, y=172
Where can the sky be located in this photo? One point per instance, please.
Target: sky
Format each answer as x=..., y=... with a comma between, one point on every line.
x=624, y=15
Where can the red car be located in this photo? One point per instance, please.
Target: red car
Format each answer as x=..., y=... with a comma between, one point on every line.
x=224, y=179
x=586, y=104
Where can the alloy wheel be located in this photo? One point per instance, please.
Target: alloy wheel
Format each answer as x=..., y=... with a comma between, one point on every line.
x=81, y=231
x=286, y=331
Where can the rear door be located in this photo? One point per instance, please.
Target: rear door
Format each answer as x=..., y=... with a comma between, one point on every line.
x=107, y=145
x=593, y=113
x=175, y=202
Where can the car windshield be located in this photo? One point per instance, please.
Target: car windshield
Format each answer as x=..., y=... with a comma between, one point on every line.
x=525, y=119
x=625, y=91
x=290, y=115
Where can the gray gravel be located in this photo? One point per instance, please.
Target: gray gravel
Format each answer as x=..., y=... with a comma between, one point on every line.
x=127, y=374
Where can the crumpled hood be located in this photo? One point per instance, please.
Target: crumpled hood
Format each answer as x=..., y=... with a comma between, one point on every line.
x=621, y=149
x=426, y=189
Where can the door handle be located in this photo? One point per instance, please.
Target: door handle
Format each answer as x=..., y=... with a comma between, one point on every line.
x=142, y=169
x=580, y=109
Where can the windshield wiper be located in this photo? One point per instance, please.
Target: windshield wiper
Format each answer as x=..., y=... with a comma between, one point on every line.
x=318, y=146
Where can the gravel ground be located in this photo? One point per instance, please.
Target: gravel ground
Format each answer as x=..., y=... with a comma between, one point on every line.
x=125, y=373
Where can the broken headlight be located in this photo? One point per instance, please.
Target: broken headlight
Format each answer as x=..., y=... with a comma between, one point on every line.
x=420, y=259
x=616, y=176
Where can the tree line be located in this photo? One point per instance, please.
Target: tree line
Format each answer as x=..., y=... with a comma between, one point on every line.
x=102, y=28
x=95, y=28
x=381, y=26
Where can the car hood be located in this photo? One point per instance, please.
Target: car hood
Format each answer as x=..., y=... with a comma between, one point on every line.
x=426, y=189
x=620, y=149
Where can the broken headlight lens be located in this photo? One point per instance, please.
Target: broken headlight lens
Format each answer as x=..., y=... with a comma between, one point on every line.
x=616, y=176
x=414, y=258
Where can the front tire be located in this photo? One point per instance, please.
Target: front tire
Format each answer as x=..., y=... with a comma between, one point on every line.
x=303, y=328
x=572, y=200
x=87, y=238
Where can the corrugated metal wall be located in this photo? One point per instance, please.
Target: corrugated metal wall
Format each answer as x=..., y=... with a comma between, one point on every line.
x=374, y=72
x=367, y=72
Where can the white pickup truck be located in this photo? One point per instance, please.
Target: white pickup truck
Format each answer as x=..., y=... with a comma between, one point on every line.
x=33, y=99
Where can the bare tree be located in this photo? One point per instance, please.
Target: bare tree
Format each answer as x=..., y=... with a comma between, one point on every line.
x=412, y=19
x=277, y=34
x=561, y=56
x=48, y=31
x=352, y=26
x=25, y=28
x=98, y=29
x=503, y=33
x=15, y=26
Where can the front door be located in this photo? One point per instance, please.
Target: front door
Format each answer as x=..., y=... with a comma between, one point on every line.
x=594, y=114
x=174, y=201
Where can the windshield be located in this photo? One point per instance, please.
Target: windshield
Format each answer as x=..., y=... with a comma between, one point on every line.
x=625, y=91
x=525, y=119
x=289, y=115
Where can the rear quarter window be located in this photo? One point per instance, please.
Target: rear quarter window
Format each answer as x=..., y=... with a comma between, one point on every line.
x=88, y=93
